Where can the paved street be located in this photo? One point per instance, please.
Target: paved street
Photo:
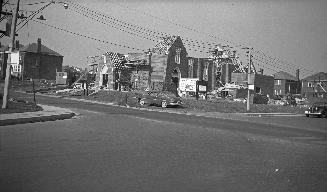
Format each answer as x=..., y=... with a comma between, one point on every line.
x=107, y=148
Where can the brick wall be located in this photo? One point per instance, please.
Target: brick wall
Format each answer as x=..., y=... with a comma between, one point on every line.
x=47, y=66
x=263, y=83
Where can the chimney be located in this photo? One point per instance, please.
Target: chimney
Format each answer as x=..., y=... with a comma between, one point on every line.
x=261, y=71
x=298, y=74
x=39, y=45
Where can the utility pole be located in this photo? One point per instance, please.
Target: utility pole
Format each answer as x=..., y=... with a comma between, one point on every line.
x=150, y=70
x=11, y=44
x=249, y=76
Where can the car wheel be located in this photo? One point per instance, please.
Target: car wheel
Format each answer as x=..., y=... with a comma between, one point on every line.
x=307, y=115
x=142, y=102
x=164, y=104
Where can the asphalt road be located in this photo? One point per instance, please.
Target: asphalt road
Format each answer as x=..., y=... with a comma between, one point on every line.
x=106, y=148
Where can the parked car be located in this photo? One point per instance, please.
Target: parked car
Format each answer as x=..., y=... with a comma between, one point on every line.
x=318, y=109
x=163, y=99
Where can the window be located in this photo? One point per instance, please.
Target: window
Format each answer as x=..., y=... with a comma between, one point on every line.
x=190, y=68
x=278, y=82
x=205, y=71
x=258, y=90
x=178, y=56
x=310, y=84
x=16, y=68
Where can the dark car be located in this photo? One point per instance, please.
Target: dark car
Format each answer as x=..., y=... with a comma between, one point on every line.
x=163, y=99
x=318, y=109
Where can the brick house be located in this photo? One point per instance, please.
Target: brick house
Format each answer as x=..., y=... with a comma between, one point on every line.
x=39, y=62
x=263, y=84
x=315, y=85
x=285, y=83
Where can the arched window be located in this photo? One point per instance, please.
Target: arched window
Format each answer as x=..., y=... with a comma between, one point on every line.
x=178, y=56
x=190, y=68
x=205, y=71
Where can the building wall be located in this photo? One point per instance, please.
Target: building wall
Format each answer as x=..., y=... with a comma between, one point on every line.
x=46, y=69
x=263, y=84
x=287, y=87
x=312, y=89
x=172, y=65
x=279, y=89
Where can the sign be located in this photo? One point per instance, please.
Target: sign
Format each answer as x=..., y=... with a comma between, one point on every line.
x=61, y=78
x=188, y=84
x=251, y=87
x=202, y=88
x=14, y=58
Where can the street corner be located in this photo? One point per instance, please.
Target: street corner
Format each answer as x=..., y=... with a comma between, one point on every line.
x=49, y=113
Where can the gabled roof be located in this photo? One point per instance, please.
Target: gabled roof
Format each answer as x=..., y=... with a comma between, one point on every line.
x=284, y=75
x=322, y=76
x=164, y=44
x=32, y=48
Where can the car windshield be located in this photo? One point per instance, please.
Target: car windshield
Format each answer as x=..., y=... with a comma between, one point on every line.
x=166, y=94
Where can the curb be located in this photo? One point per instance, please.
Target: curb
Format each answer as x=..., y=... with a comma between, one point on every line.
x=272, y=114
x=36, y=119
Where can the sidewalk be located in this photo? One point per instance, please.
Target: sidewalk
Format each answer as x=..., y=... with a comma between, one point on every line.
x=49, y=113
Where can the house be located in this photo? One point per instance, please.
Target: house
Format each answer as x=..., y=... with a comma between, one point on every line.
x=285, y=83
x=37, y=61
x=315, y=85
x=262, y=84
x=4, y=57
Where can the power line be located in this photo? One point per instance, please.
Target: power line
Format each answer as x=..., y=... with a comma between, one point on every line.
x=88, y=37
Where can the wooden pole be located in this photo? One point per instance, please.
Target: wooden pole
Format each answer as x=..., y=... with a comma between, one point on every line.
x=11, y=44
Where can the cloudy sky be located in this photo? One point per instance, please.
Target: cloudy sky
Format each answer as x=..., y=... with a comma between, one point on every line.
x=292, y=32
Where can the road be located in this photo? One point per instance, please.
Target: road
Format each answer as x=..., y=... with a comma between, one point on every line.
x=107, y=148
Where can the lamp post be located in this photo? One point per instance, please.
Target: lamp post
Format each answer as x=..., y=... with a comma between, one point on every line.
x=11, y=44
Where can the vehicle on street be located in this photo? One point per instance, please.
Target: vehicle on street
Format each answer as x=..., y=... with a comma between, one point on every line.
x=318, y=109
x=162, y=99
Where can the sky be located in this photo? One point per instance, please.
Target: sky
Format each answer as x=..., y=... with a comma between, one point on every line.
x=292, y=32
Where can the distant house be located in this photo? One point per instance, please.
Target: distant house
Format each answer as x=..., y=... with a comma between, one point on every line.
x=263, y=84
x=39, y=62
x=4, y=57
x=285, y=83
x=315, y=85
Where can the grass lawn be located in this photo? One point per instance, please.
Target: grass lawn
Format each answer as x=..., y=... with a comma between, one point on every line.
x=219, y=105
x=189, y=105
x=17, y=106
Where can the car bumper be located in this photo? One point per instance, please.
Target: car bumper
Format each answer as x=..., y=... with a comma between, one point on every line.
x=312, y=113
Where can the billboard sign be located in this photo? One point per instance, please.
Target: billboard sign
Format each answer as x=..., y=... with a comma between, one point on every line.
x=188, y=84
